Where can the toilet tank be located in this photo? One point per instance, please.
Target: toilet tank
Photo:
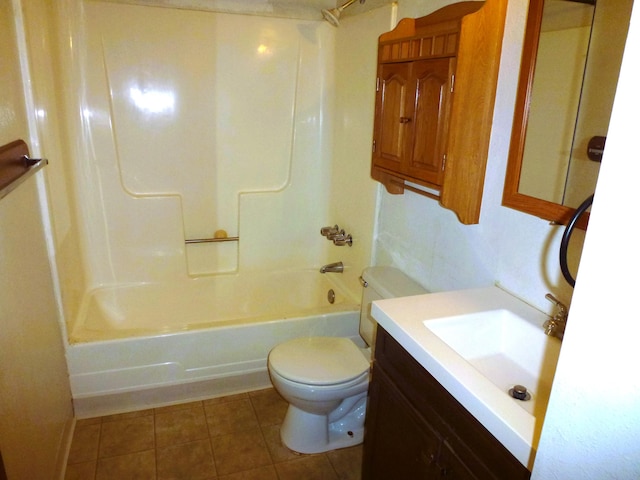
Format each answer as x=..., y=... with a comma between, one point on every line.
x=382, y=282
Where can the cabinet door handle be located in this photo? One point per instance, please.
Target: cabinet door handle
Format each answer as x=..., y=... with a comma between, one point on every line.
x=428, y=459
x=405, y=119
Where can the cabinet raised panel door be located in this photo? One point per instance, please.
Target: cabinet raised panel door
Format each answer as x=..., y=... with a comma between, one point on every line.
x=413, y=105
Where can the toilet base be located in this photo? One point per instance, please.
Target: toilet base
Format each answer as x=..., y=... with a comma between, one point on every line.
x=305, y=432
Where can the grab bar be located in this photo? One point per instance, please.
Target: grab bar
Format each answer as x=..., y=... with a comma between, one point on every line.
x=16, y=166
x=211, y=240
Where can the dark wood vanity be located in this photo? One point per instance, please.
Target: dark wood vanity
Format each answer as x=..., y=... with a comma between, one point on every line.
x=415, y=429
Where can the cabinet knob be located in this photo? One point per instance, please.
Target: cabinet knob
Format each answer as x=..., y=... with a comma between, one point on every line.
x=405, y=119
x=427, y=458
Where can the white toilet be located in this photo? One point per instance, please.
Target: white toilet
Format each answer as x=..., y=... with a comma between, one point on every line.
x=325, y=379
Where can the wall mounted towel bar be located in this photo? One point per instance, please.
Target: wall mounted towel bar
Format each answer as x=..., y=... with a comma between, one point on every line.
x=16, y=166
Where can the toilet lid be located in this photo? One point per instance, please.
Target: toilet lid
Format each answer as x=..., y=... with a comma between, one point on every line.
x=318, y=360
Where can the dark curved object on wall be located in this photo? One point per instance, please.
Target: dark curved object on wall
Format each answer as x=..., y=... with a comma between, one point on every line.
x=16, y=166
x=564, y=244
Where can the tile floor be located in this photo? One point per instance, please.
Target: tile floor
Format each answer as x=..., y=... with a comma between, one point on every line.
x=229, y=438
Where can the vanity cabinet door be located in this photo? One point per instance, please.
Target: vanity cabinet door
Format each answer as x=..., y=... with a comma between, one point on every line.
x=415, y=429
x=399, y=444
x=452, y=467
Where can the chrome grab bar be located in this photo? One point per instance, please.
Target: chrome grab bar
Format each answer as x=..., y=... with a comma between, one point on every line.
x=211, y=240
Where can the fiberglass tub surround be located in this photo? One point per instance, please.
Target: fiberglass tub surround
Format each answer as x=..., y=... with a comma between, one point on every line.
x=189, y=132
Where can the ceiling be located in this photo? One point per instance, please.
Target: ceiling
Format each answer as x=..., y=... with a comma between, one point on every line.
x=301, y=9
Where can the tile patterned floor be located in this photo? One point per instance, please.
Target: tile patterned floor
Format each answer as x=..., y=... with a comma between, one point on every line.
x=229, y=438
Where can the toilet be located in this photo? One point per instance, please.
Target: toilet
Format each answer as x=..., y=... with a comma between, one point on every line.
x=325, y=379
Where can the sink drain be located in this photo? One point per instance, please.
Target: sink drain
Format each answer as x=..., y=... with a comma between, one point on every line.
x=519, y=392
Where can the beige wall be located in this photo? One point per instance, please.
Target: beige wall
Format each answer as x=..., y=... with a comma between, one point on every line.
x=35, y=399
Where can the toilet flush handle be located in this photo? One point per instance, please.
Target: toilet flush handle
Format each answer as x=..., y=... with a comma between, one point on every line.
x=363, y=282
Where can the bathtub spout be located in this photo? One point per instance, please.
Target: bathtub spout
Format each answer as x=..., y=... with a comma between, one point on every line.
x=337, y=267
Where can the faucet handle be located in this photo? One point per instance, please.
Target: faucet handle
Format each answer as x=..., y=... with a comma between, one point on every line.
x=326, y=231
x=343, y=239
x=562, y=308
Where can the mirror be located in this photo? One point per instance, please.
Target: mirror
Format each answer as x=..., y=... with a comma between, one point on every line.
x=568, y=77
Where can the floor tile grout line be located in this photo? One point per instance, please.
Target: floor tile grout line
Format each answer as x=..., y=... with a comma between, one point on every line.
x=95, y=470
x=155, y=445
x=264, y=438
x=210, y=438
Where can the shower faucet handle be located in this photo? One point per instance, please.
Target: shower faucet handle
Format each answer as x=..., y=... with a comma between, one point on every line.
x=336, y=235
x=343, y=239
x=327, y=231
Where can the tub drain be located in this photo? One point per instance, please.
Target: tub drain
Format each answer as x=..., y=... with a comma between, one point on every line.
x=519, y=392
x=331, y=295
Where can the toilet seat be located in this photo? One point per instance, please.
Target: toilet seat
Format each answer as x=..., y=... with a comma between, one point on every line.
x=319, y=360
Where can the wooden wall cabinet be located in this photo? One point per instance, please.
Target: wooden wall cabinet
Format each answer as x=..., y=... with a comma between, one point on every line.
x=435, y=93
x=415, y=429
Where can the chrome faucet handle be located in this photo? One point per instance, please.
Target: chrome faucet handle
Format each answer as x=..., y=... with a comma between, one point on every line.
x=326, y=231
x=562, y=308
x=343, y=239
x=334, y=235
x=555, y=325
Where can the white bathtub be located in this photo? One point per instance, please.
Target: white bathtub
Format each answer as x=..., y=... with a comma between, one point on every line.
x=142, y=346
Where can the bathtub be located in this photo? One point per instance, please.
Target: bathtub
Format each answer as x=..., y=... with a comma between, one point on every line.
x=146, y=345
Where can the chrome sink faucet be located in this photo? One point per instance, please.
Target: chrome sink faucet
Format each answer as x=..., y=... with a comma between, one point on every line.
x=555, y=325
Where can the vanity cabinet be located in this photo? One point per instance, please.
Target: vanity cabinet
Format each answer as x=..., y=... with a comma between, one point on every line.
x=435, y=91
x=415, y=429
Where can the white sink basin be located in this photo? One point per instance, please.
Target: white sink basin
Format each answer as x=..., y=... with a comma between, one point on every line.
x=478, y=344
x=506, y=348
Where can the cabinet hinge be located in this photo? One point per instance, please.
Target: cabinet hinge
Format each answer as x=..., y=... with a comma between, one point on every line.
x=374, y=147
x=453, y=81
x=378, y=84
x=444, y=161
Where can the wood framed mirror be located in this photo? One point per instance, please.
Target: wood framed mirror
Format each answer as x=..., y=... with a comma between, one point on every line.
x=568, y=76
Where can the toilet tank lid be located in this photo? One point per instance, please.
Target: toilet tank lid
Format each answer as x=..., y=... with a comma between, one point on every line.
x=390, y=282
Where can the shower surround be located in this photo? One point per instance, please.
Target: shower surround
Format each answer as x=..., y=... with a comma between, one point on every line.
x=181, y=124
x=195, y=122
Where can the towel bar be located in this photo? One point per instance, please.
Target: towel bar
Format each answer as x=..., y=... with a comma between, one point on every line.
x=16, y=166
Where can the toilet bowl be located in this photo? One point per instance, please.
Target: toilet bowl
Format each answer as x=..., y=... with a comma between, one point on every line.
x=325, y=379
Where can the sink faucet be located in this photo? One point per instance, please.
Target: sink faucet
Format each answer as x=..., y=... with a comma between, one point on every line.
x=337, y=267
x=555, y=325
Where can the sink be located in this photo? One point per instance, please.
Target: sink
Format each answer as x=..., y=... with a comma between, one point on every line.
x=504, y=347
x=478, y=344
